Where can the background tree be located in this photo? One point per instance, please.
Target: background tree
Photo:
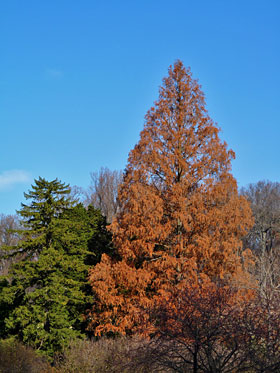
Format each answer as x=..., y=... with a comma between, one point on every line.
x=180, y=217
x=9, y=225
x=264, y=237
x=103, y=191
x=264, y=198
x=48, y=290
x=77, y=194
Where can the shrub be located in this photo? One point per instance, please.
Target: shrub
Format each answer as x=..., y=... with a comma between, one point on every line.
x=102, y=356
x=17, y=358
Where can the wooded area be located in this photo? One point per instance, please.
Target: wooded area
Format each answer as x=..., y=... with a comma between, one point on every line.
x=165, y=267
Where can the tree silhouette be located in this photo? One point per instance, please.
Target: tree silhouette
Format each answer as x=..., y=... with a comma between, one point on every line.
x=181, y=218
x=197, y=329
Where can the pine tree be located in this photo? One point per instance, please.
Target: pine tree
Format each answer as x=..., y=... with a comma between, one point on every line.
x=49, y=291
x=181, y=218
x=38, y=219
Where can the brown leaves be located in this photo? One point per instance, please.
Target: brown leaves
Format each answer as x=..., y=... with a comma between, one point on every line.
x=181, y=218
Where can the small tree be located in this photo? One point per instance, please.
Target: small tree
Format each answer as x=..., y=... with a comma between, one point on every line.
x=204, y=329
x=260, y=325
x=197, y=330
x=181, y=217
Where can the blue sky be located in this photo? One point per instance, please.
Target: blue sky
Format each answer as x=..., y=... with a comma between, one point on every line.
x=77, y=78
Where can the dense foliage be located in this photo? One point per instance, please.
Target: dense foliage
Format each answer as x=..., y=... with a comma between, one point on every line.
x=181, y=218
x=48, y=291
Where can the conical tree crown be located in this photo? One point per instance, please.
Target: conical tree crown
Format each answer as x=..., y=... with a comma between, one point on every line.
x=49, y=199
x=178, y=196
x=47, y=291
x=181, y=218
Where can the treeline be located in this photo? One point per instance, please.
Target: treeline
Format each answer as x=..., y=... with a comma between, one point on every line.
x=168, y=254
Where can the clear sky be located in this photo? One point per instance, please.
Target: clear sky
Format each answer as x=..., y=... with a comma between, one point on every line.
x=77, y=77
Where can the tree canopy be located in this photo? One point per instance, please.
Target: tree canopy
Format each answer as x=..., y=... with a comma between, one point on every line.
x=48, y=290
x=181, y=219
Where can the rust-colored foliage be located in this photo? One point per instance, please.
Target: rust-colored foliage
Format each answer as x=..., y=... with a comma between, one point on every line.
x=181, y=217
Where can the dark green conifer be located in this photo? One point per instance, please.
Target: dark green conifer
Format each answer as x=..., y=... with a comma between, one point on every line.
x=48, y=290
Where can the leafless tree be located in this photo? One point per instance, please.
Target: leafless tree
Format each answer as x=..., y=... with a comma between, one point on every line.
x=268, y=274
x=103, y=191
x=213, y=331
x=260, y=323
x=197, y=330
x=8, y=225
x=8, y=237
x=264, y=237
x=264, y=197
x=78, y=194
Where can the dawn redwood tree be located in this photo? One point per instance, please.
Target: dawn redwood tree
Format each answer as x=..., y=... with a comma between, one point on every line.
x=181, y=219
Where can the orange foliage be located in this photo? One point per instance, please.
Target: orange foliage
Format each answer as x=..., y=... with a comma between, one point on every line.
x=181, y=217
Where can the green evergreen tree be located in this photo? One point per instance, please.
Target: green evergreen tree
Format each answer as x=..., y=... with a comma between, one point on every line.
x=48, y=290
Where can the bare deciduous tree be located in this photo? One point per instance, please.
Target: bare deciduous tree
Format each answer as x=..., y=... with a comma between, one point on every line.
x=103, y=191
x=211, y=330
x=77, y=194
x=8, y=223
x=264, y=238
x=268, y=274
x=264, y=197
x=197, y=330
x=8, y=237
x=260, y=325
